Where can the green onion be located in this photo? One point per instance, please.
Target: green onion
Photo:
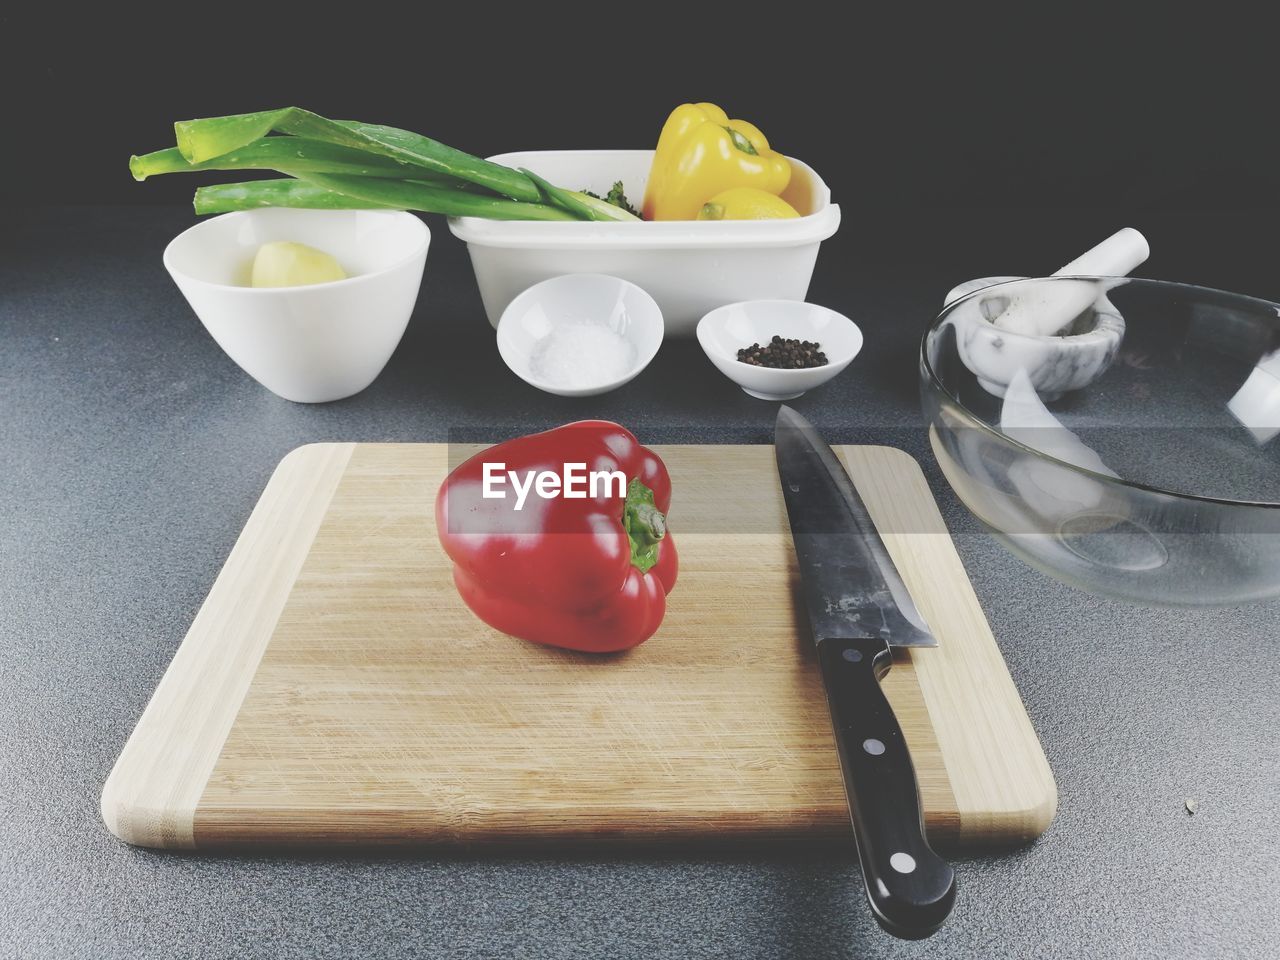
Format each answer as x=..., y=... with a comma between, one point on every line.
x=348, y=165
x=328, y=192
x=229, y=197
x=288, y=155
x=584, y=206
x=201, y=140
x=433, y=198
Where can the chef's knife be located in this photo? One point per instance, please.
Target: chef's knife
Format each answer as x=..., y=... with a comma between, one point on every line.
x=859, y=609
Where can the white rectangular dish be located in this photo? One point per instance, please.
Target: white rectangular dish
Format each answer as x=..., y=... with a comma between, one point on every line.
x=688, y=267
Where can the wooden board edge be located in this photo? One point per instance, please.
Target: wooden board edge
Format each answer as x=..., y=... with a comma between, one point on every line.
x=1021, y=806
x=652, y=826
x=150, y=796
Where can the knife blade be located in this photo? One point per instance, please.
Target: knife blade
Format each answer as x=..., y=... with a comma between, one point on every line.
x=858, y=609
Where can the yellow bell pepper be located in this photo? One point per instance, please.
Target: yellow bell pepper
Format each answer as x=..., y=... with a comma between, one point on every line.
x=701, y=153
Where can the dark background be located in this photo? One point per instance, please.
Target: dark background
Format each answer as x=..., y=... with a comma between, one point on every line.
x=944, y=131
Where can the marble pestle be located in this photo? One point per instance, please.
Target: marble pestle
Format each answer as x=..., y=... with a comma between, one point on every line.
x=1046, y=309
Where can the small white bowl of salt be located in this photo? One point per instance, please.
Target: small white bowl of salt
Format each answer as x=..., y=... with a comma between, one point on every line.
x=580, y=334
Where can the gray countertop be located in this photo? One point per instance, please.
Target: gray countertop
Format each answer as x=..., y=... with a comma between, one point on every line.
x=134, y=450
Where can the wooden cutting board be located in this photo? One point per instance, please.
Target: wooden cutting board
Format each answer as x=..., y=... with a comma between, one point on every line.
x=334, y=688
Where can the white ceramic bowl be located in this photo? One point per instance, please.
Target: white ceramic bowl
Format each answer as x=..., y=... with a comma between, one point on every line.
x=314, y=343
x=726, y=330
x=688, y=267
x=535, y=315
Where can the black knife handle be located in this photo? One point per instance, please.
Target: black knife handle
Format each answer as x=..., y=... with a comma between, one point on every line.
x=910, y=887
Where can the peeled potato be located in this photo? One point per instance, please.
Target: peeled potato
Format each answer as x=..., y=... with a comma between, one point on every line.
x=287, y=264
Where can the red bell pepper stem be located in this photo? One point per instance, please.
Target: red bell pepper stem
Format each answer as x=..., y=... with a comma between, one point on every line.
x=645, y=524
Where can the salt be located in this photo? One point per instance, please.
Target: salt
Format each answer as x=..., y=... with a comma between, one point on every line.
x=581, y=354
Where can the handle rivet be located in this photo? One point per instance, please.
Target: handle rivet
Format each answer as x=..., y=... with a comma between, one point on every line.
x=873, y=747
x=902, y=862
x=852, y=655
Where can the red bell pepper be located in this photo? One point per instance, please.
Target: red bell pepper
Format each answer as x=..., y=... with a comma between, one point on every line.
x=589, y=573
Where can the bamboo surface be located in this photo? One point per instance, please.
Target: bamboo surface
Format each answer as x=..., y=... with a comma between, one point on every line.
x=334, y=688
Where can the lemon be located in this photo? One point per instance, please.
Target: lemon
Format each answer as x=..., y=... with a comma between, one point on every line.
x=746, y=203
x=287, y=264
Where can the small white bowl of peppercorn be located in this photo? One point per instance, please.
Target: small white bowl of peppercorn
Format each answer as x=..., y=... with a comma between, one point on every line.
x=778, y=349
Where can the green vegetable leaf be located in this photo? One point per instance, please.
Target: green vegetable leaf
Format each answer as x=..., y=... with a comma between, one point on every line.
x=230, y=197
x=337, y=192
x=434, y=198
x=206, y=139
x=584, y=206
x=616, y=196
x=347, y=164
x=288, y=155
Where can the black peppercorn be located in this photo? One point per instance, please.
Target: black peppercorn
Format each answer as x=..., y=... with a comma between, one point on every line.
x=784, y=354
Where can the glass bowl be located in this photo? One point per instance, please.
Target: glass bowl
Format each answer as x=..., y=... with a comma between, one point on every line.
x=1137, y=453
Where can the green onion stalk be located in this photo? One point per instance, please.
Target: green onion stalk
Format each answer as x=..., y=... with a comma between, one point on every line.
x=345, y=165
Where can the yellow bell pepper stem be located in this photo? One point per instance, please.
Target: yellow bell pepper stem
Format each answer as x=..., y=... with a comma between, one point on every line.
x=701, y=153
